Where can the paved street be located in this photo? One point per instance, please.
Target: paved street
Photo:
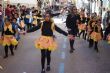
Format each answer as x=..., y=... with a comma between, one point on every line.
x=83, y=60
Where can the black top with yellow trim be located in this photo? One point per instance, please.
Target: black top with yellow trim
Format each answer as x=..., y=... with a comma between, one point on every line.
x=46, y=28
x=98, y=29
x=8, y=30
x=83, y=20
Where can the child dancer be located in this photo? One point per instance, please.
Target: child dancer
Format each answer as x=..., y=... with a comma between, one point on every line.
x=9, y=40
x=46, y=42
x=97, y=34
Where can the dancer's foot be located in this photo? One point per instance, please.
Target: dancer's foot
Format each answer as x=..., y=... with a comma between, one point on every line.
x=71, y=50
x=43, y=71
x=48, y=68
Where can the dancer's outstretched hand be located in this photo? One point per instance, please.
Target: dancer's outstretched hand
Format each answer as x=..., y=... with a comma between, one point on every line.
x=22, y=32
x=71, y=37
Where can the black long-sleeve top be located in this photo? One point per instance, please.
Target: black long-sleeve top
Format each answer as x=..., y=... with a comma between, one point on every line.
x=83, y=20
x=71, y=23
x=46, y=29
x=87, y=20
x=7, y=32
x=14, y=28
x=96, y=30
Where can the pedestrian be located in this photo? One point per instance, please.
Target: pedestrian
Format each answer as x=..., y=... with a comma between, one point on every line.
x=8, y=11
x=1, y=17
x=9, y=41
x=28, y=19
x=16, y=33
x=72, y=25
x=46, y=43
x=37, y=18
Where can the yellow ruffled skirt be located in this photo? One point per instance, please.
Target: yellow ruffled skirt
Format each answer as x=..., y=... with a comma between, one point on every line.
x=96, y=36
x=9, y=40
x=45, y=42
x=108, y=38
x=82, y=27
x=1, y=40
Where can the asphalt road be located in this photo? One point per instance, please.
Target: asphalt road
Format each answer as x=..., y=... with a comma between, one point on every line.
x=83, y=60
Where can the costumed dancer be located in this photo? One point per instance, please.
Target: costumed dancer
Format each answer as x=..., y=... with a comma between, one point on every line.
x=46, y=43
x=72, y=25
x=91, y=23
x=36, y=19
x=87, y=23
x=9, y=41
x=97, y=34
x=82, y=25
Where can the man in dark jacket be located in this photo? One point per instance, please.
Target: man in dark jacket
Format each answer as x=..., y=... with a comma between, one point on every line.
x=71, y=22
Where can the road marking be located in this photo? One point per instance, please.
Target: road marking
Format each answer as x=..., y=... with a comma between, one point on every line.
x=63, y=55
x=61, y=68
x=64, y=45
x=65, y=40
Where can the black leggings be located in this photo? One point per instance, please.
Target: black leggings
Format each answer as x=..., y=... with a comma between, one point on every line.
x=71, y=44
x=45, y=54
x=82, y=32
x=11, y=49
x=95, y=43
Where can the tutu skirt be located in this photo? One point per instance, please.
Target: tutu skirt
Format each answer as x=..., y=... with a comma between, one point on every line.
x=108, y=38
x=9, y=40
x=45, y=42
x=96, y=36
x=82, y=27
x=1, y=40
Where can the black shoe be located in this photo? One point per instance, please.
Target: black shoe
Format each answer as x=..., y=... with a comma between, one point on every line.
x=87, y=40
x=12, y=53
x=48, y=68
x=71, y=51
x=96, y=49
x=5, y=57
x=16, y=47
x=43, y=71
x=90, y=46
